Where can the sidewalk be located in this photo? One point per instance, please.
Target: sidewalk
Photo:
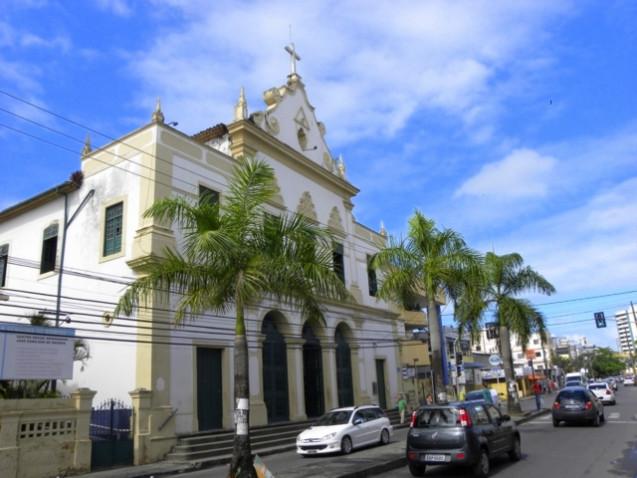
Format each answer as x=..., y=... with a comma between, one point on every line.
x=363, y=463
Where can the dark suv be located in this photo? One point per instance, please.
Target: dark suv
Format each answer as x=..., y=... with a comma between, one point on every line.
x=464, y=433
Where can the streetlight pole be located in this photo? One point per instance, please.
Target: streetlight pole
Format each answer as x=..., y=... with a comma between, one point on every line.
x=416, y=381
x=67, y=224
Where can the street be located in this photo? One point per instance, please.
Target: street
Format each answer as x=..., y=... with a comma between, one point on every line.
x=568, y=451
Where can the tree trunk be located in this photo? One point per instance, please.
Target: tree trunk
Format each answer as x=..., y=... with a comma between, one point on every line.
x=513, y=401
x=242, y=465
x=436, y=353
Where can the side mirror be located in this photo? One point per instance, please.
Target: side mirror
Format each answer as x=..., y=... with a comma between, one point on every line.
x=358, y=421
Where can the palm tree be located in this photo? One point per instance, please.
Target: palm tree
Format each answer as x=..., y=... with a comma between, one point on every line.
x=429, y=262
x=234, y=255
x=504, y=278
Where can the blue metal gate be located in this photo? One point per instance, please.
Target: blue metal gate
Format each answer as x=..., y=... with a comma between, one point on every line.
x=111, y=435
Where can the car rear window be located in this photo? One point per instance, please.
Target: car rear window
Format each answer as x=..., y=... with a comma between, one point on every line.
x=437, y=418
x=597, y=387
x=572, y=395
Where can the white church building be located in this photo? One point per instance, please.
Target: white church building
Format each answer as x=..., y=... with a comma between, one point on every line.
x=297, y=370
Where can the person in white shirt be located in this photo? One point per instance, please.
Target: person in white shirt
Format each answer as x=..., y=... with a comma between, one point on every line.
x=495, y=399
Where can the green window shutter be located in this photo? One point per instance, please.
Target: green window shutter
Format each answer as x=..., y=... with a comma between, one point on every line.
x=339, y=264
x=208, y=196
x=113, y=220
x=372, y=281
x=49, y=249
x=4, y=261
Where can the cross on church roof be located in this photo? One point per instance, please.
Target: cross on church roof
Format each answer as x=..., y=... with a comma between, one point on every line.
x=294, y=57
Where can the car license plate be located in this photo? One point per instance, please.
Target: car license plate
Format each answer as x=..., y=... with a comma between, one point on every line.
x=311, y=451
x=572, y=407
x=436, y=458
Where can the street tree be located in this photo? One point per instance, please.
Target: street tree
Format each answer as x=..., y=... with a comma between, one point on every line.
x=504, y=278
x=233, y=255
x=429, y=262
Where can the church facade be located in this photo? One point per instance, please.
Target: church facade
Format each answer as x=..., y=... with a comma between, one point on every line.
x=297, y=369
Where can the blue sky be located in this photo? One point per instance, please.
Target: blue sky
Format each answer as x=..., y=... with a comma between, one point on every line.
x=514, y=123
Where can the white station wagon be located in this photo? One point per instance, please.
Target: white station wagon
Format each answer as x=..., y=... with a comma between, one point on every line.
x=343, y=429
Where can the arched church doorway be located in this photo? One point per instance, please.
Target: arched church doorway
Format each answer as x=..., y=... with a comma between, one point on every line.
x=343, y=366
x=312, y=373
x=275, y=371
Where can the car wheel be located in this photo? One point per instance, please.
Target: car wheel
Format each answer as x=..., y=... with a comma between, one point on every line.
x=516, y=452
x=384, y=437
x=556, y=423
x=482, y=467
x=417, y=470
x=346, y=445
x=596, y=421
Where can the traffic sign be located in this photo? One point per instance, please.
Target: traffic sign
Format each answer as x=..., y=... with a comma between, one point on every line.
x=495, y=360
x=600, y=320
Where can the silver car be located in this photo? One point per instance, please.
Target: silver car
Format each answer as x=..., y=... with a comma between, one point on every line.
x=343, y=429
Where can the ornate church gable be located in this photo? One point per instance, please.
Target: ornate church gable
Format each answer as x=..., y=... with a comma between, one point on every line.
x=290, y=117
x=306, y=206
x=335, y=222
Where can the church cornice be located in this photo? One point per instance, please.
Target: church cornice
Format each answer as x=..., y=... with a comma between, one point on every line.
x=247, y=139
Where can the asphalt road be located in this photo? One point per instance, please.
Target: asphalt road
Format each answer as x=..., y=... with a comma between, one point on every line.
x=568, y=451
x=291, y=465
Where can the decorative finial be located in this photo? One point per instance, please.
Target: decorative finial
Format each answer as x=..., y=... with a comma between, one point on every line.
x=158, y=116
x=241, y=108
x=86, y=150
x=341, y=166
x=383, y=231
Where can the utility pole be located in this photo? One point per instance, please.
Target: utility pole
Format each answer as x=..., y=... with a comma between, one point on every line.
x=632, y=339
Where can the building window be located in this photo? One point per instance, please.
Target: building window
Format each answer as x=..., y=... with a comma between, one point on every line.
x=536, y=341
x=371, y=278
x=538, y=354
x=4, y=261
x=520, y=355
x=208, y=196
x=337, y=259
x=113, y=220
x=49, y=248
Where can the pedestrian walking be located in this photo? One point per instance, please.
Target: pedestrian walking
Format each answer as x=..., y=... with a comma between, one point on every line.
x=429, y=399
x=537, y=390
x=402, y=406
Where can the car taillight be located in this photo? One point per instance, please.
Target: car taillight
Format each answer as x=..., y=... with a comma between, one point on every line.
x=607, y=392
x=465, y=418
x=412, y=423
x=588, y=406
x=556, y=405
x=412, y=455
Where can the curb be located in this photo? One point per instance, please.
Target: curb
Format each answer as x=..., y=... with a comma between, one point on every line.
x=401, y=462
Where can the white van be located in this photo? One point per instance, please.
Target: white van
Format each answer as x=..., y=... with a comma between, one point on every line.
x=575, y=378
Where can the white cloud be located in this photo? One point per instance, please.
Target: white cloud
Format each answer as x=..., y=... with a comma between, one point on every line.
x=523, y=174
x=591, y=245
x=118, y=7
x=367, y=73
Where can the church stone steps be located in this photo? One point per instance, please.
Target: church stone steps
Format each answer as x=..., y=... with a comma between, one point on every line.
x=215, y=448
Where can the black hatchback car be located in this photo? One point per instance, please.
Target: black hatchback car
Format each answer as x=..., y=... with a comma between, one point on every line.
x=463, y=433
x=577, y=404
